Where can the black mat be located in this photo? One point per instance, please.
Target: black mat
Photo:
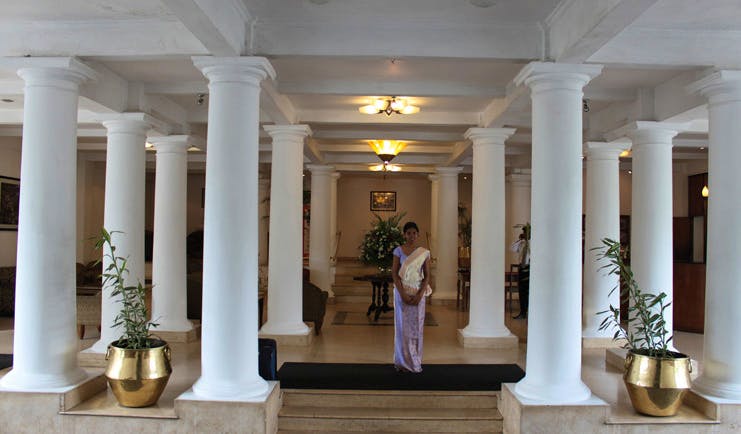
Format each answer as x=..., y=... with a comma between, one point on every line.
x=6, y=361
x=360, y=318
x=373, y=376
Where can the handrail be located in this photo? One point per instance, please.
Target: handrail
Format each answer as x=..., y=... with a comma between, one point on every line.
x=338, y=237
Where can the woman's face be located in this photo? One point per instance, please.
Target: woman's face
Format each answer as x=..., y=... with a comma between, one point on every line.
x=411, y=235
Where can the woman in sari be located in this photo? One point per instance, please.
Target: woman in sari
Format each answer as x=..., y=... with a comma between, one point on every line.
x=411, y=271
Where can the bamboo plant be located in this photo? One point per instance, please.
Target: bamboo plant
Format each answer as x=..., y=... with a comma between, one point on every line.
x=646, y=332
x=133, y=315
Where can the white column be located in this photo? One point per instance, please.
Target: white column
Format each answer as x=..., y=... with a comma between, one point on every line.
x=333, y=236
x=263, y=196
x=319, y=225
x=486, y=318
x=554, y=327
x=518, y=207
x=447, y=233
x=123, y=211
x=169, y=293
x=651, y=244
x=285, y=313
x=229, y=357
x=721, y=374
x=333, y=212
x=434, y=210
x=602, y=221
x=45, y=341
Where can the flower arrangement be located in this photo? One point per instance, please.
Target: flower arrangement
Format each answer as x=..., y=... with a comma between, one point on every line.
x=379, y=242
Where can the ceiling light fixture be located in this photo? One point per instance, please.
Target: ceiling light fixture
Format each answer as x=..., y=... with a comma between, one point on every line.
x=386, y=151
x=385, y=167
x=389, y=105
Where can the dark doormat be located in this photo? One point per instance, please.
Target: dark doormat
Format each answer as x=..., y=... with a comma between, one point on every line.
x=6, y=361
x=360, y=318
x=375, y=376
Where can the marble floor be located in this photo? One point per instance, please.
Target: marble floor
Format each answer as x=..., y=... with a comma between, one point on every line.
x=374, y=344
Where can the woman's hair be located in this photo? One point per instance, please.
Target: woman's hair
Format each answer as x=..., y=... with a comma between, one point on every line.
x=411, y=225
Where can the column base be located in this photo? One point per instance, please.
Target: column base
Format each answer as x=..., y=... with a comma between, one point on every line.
x=21, y=410
x=17, y=380
x=717, y=390
x=601, y=342
x=469, y=341
x=258, y=415
x=302, y=339
x=91, y=359
x=523, y=415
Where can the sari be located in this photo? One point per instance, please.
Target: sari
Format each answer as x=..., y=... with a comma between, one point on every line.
x=409, y=320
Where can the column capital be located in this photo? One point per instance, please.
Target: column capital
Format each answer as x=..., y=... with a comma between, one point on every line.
x=718, y=86
x=488, y=136
x=131, y=123
x=433, y=177
x=320, y=169
x=249, y=69
x=336, y=175
x=175, y=143
x=55, y=71
x=643, y=132
x=605, y=150
x=448, y=171
x=547, y=75
x=295, y=132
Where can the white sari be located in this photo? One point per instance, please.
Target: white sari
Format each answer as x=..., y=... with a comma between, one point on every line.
x=412, y=273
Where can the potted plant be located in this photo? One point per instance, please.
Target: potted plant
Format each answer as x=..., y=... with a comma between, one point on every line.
x=138, y=363
x=656, y=378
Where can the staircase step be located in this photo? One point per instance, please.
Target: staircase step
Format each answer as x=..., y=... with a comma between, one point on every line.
x=390, y=419
x=390, y=399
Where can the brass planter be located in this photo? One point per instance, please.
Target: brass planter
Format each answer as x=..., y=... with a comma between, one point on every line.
x=138, y=377
x=656, y=386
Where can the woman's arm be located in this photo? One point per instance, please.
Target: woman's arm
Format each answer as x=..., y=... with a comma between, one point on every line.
x=397, y=281
x=425, y=281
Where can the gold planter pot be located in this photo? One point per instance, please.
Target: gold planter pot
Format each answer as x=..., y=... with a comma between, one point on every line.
x=138, y=377
x=656, y=386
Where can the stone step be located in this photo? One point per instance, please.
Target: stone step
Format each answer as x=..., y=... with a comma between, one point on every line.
x=389, y=399
x=349, y=419
x=353, y=290
x=352, y=299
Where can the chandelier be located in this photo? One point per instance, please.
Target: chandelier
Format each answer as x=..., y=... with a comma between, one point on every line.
x=386, y=151
x=389, y=105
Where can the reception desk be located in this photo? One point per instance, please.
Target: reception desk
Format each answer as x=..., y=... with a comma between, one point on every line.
x=689, y=297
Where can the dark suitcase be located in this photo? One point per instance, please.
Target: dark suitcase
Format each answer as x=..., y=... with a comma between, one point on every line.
x=268, y=359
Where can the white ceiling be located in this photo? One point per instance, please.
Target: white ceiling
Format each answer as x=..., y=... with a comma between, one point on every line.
x=452, y=58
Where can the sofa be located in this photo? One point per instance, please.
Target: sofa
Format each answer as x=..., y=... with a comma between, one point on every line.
x=7, y=291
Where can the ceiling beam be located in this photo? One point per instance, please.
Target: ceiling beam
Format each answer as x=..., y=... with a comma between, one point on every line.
x=461, y=150
x=145, y=37
x=312, y=152
x=516, y=101
x=177, y=88
x=411, y=149
x=277, y=106
x=577, y=29
x=220, y=25
x=422, y=135
x=384, y=87
x=414, y=39
x=355, y=117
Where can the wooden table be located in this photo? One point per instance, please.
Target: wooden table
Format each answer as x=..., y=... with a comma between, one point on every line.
x=380, y=296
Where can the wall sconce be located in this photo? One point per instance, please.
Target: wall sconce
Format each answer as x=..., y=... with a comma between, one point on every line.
x=705, y=192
